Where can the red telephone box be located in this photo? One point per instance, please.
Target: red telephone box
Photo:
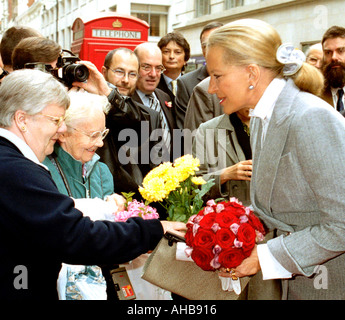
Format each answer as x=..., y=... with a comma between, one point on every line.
x=93, y=39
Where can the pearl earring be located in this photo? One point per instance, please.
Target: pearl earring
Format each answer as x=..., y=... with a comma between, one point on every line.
x=251, y=87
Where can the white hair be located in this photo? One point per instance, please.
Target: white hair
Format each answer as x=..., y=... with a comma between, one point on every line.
x=30, y=91
x=84, y=105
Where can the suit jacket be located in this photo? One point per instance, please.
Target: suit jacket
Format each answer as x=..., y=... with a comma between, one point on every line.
x=185, y=87
x=127, y=118
x=40, y=228
x=297, y=189
x=162, y=85
x=217, y=147
x=165, y=101
x=202, y=106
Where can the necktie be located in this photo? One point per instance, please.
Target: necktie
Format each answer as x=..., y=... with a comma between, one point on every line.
x=340, y=104
x=174, y=86
x=154, y=104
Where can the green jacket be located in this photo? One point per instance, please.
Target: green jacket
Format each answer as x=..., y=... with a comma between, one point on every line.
x=97, y=183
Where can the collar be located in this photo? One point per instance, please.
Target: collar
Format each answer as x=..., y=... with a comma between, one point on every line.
x=144, y=98
x=168, y=79
x=265, y=106
x=335, y=91
x=72, y=165
x=21, y=145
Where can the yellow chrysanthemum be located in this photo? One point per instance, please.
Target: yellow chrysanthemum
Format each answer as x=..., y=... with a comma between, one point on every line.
x=198, y=181
x=153, y=189
x=161, y=171
x=186, y=166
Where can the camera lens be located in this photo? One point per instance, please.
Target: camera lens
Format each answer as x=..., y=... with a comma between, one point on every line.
x=76, y=72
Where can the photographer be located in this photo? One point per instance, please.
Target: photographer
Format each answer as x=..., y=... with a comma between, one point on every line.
x=35, y=49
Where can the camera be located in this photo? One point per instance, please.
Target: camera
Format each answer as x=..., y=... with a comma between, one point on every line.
x=67, y=70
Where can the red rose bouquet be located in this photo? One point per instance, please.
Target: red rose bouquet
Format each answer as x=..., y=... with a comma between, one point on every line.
x=222, y=235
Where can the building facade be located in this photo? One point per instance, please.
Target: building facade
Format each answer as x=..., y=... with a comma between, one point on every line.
x=301, y=22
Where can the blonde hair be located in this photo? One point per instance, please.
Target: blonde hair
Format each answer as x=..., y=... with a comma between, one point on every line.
x=83, y=106
x=248, y=41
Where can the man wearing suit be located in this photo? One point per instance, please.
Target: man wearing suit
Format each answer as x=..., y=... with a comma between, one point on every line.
x=202, y=106
x=127, y=119
x=188, y=81
x=150, y=71
x=333, y=43
x=175, y=54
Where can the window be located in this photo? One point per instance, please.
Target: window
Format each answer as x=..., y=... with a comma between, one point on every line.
x=233, y=3
x=155, y=16
x=202, y=7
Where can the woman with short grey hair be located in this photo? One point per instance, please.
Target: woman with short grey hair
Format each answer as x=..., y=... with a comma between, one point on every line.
x=39, y=226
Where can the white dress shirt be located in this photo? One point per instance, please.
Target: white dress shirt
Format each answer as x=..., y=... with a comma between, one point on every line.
x=334, y=92
x=270, y=267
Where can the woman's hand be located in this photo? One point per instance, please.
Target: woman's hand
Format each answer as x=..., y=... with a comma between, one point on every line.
x=119, y=200
x=239, y=171
x=248, y=267
x=174, y=227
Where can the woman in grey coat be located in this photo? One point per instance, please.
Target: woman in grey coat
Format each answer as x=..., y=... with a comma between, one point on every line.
x=298, y=144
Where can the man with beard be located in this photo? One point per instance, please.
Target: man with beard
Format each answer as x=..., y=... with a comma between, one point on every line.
x=333, y=44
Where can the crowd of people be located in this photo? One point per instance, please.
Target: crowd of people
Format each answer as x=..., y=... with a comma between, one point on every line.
x=266, y=123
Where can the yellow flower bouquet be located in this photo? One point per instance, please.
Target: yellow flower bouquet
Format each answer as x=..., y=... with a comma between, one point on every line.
x=176, y=187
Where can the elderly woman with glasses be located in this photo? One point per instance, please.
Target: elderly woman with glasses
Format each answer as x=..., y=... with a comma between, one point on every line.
x=74, y=165
x=77, y=172
x=39, y=226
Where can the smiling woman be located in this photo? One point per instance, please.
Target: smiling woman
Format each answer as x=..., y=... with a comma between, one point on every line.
x=75, y=151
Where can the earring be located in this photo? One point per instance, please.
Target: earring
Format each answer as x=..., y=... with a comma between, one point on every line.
x=23, y=128
x=251, y=87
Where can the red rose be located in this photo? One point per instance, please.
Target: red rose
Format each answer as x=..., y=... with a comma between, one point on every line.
x=189, y=236
x=231, y=258
x=204, y=238
x=256, y=223
x=203, y=257
x=225, y=238
x=246, y=234
x=226, y=219
x=208, y=220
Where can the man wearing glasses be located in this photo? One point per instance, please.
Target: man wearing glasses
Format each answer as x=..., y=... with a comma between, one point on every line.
x=150, y=70
x=127, y=149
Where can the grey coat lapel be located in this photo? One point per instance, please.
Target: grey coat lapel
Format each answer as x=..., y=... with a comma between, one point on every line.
x=267, y=163
x=236, y=154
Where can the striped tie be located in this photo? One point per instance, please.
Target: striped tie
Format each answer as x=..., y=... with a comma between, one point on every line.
x=155, y=105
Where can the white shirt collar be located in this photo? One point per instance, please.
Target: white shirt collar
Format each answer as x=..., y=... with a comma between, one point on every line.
x=265, y=106
x=21, y=145
x=335, y=97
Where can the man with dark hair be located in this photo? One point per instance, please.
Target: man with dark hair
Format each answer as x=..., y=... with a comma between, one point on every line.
x=10, y=39
x=333, y=68
x=35, y=49
x=187, y=82
x=175, y=53
x=120, y=69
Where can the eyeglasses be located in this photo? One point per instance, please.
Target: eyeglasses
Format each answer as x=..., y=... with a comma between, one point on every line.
x=149, y=68
x=57, y=120
x=119, y=73
x=94, y=136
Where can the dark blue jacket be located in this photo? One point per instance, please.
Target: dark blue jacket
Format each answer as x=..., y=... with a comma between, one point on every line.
x=40, y=229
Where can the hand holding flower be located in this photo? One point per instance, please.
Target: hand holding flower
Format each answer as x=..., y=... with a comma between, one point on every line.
x=119, y=200
x=248, y=267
